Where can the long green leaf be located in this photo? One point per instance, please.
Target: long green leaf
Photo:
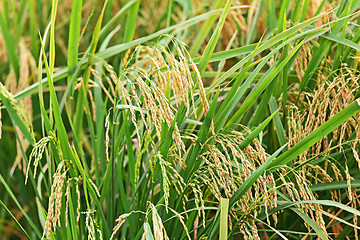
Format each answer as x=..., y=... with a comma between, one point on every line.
x=9, y=44
x=15, y=220
x=328, y=203
x=341, y=40
x=205, y=29
x=80, y=104
x=63, y=138
x=74, y=36
x=224, y=209
x=256, y=132
x=131, y=22
x=32, y=224
x=205, y=57
x=335, y=185
x=261, y=85
x=312, y=223
x=278, y=125
x=317, y=134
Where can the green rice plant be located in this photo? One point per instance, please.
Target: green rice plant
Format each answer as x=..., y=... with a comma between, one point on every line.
x=179, y=119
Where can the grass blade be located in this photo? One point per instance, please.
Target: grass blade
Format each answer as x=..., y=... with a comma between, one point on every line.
x=214, y=39
x=334, y=185
x=32, y=224
x=74, y=37
x=256, y=132
x=317, y=134
x=261, y=85
x=278, y=124
x=205, y=29
x=131, y=22
x=15, y=220
x=10, y=46
x=224, y=208
x=63, y=138
x=80, y=104
x=311, y=223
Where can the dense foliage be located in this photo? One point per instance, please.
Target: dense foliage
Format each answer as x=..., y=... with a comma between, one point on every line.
x=179, y=119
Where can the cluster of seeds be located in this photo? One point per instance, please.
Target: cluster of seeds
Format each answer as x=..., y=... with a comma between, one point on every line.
x=55, y=199
x=328, y=98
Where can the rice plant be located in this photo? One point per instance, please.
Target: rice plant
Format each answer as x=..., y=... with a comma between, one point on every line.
x=179, y=119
